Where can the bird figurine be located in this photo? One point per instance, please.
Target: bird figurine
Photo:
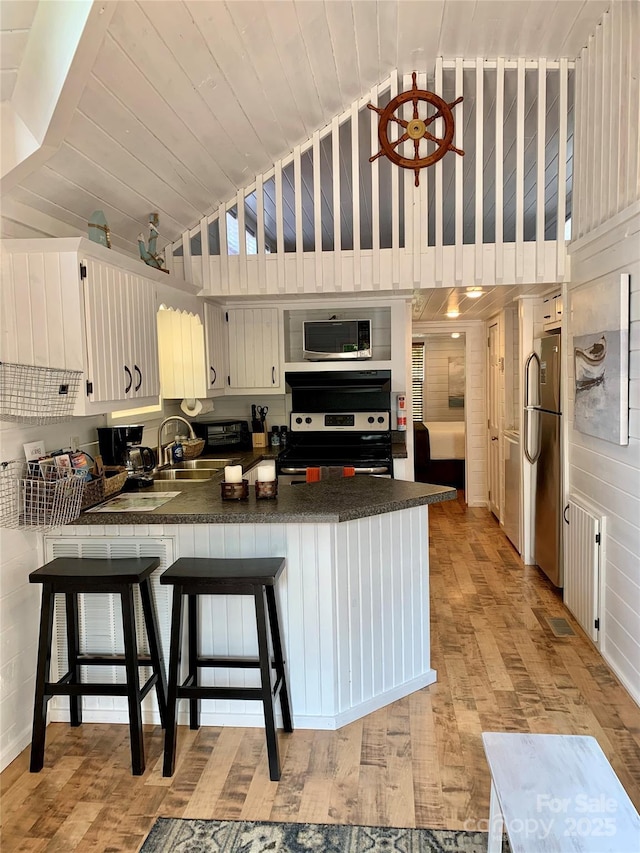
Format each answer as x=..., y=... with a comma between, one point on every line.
x=148, y=253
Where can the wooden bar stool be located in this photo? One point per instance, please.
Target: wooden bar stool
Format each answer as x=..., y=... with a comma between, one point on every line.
x=72, y=576
x=194, y=576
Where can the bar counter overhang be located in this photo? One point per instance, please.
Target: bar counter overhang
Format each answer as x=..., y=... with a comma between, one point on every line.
x=354, y=594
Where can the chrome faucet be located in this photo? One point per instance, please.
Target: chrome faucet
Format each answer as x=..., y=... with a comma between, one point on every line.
x=162, y=450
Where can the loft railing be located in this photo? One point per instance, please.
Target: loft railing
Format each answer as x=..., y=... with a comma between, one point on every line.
x=326, y=219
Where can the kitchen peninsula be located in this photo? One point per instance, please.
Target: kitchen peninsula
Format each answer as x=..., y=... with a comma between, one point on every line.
x=354, y=594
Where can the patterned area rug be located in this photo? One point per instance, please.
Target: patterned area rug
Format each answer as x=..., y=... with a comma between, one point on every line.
x=174, y=835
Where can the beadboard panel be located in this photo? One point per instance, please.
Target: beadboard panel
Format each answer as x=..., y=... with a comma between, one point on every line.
x=318, y=275
x=607, y=475
x=355, y=608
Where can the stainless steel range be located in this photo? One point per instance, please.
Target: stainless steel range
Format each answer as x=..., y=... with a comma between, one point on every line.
x=353, y=431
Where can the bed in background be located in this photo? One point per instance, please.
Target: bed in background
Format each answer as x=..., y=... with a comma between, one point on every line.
x=439, y=453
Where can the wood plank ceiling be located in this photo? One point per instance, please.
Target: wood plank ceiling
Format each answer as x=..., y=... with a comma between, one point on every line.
x=188, y=101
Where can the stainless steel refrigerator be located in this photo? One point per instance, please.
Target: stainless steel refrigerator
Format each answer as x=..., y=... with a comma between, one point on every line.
x=542, y=443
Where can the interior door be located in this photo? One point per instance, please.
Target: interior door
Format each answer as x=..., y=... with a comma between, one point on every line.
x=493, y=421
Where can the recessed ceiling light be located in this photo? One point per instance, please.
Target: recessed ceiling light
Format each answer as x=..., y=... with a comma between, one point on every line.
x=453, y=313
x=455, y=334
x=474, y=292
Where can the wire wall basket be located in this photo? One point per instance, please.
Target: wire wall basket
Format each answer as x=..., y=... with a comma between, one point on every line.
x=39, y=495
x=37, y=395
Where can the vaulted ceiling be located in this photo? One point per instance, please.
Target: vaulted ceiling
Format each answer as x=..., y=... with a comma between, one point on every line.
x=186, y=102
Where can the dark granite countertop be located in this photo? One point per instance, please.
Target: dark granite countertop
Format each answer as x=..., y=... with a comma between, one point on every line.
x=332, y=500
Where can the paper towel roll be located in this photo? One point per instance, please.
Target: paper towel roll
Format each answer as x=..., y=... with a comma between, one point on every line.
x=193, y=408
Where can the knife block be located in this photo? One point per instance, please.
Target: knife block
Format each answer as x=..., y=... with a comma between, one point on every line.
x=259, y=439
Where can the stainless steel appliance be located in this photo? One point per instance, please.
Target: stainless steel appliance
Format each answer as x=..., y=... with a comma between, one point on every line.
x=329, y=340
x=220, y=435
x=121, y=446
x=542, y=446
x=340, y=419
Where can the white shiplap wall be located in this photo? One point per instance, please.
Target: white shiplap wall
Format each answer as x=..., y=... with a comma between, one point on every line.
x=606, y=475
x=438, y=351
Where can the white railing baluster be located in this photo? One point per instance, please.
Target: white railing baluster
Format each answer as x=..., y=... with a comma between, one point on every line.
x=395, y=199
x=439, y=226
x=499, y=161
x=317, y=210
x=479, y=111
x=260, y=238
x=297, y=189
x=540, y=167
x=242, y=240
x=355, y=194
x=279, y=227
x=335, y=162
x=224, y=247
x=375, y=191
x=458, y=141
x=204, y=243
x=520, y=172
x=562, y=167
x=186, y=251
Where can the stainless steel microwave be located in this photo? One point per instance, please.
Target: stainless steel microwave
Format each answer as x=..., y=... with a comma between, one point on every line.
x=329, y=340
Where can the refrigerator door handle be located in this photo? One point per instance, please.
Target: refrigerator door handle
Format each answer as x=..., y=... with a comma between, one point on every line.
x=532, y=459
x=527, y=369
x=536, y=454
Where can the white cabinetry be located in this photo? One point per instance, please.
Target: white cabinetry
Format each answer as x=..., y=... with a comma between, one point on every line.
x=551, y=311
x=121, y=335
x=216, y=348
x=254, y=349
x=72, y=304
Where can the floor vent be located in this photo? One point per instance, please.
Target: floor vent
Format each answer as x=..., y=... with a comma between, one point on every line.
x=560, y=627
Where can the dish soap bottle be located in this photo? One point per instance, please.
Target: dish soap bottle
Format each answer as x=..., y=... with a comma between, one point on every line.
x=177, y=451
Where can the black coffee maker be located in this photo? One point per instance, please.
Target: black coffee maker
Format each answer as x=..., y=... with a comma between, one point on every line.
x=121, y=446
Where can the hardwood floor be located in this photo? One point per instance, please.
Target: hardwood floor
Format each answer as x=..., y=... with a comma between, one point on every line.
x=417, y=762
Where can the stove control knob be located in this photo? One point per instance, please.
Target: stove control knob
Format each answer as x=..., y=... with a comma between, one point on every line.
x=371, y=419
x=307, y=420
x=381, y=419
x=298, y=420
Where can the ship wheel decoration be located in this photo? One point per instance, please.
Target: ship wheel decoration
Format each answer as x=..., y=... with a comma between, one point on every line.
x=416, y=129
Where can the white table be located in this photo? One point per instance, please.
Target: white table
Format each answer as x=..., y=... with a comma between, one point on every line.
x=557, y=793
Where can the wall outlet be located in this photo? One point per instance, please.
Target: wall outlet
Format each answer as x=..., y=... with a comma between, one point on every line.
x=75, y=442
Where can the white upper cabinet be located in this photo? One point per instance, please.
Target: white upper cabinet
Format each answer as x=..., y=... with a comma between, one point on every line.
x=122, y=341
x=69, y=303
x=215, y=349
x=551, y=311
x=254, y=349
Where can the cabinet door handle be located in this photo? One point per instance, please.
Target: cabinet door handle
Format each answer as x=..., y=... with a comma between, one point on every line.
x=139, y=372
x=213, y=370
x=130, y=379
x=273, y=375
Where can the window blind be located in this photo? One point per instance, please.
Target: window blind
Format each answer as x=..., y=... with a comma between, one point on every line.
x=417, y=380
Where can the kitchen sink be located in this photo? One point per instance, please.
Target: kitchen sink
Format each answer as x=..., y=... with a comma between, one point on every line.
x=182, y=474
x=198, y=464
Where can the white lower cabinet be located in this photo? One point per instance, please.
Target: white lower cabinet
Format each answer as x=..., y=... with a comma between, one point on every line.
x=254, y=349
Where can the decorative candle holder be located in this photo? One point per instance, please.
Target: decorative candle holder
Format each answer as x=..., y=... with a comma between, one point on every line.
x=266, y=489
x=235, y=491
